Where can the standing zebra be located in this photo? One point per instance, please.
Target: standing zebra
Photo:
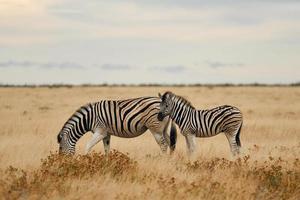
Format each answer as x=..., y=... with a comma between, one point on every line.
x=202, y=123
x=125, y=118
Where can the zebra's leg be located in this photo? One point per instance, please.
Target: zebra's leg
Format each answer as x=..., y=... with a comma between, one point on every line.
x=191, y=143
x=234, y=147
x=166, y=130
x=97, y=137
x=160, y=139
x=106, y=143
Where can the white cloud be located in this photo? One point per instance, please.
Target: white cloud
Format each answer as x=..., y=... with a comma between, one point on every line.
x=35, y=21
x=113, y=67
x=219, y=64
x=34, y=64
x=169, y=68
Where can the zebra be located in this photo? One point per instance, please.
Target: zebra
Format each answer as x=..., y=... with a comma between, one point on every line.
x=123, y=118
x=202, y=123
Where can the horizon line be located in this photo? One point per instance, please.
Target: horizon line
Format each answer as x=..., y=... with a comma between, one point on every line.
x=58, y=85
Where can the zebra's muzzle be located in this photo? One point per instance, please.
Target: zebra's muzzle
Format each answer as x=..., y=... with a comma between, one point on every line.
x=60, y=150
x=160, y=116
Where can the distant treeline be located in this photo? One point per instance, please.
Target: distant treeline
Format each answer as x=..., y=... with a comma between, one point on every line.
x=150, y=85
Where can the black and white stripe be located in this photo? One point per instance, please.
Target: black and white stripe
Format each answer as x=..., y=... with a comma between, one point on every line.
x=124, y=118
x=202, y=123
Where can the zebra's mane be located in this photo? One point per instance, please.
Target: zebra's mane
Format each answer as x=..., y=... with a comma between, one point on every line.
x=182, y=99
x=67, y=123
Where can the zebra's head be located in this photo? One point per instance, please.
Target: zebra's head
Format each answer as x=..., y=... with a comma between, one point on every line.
x=64, y=146
x=165, y=105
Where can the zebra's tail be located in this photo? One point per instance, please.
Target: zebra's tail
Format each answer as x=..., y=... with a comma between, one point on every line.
x=237, y=137
x=173, y=138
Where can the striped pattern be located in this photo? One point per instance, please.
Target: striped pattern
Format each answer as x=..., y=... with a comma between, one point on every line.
x=202, y=123
x=125, y=118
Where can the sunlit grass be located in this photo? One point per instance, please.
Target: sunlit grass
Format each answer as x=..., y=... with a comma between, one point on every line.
x=268, y=167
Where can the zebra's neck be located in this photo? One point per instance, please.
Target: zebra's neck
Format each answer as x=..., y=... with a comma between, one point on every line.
x=181, y=114
x=79, y=123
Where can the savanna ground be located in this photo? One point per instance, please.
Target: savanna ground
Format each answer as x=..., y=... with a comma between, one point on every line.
x=268, y=168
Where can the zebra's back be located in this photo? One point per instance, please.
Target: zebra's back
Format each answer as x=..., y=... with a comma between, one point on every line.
x=220, y=119
x=127, y=118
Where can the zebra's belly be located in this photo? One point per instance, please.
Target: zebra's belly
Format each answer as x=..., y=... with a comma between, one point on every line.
x=206, y=134
x=127, y=133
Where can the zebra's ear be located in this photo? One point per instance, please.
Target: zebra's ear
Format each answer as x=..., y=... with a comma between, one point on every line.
x=159, y=95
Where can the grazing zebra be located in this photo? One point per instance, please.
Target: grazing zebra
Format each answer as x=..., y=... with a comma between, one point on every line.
x=202, y=123
x=125, y=118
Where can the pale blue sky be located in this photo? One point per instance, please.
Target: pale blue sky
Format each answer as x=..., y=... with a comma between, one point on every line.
x=76, y=41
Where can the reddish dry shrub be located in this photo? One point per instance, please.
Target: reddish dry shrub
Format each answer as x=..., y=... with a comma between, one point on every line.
x=84, y=166
x=215, y=178
x=273, y=181
x=56, y=170
x=219, y=178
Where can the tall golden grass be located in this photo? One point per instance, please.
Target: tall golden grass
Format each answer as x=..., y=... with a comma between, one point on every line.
x=269, y=166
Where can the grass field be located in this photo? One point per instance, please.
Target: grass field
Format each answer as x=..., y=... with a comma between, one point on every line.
x=269, y=167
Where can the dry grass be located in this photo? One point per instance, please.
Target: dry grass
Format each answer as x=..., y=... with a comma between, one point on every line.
x=268, y=168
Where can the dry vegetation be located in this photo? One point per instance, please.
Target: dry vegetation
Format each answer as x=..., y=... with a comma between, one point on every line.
x=269, y=167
